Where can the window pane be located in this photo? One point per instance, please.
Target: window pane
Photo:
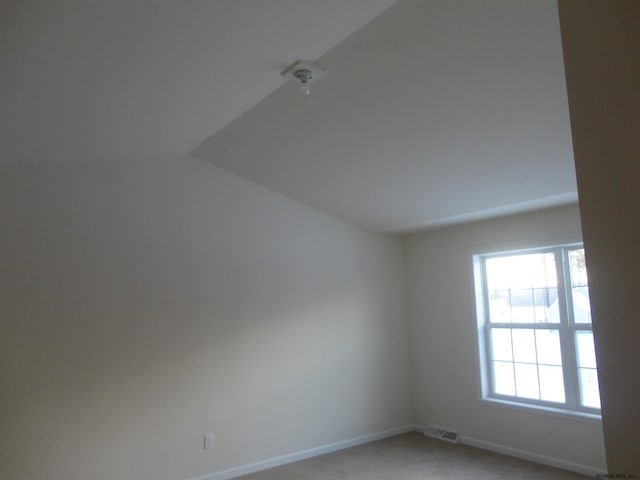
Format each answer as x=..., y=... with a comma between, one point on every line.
x=581, y=305
x=522, y=306
x=543, y=299
x=527, y=380
x=579, y=286
x=521, y=271
x=553, y=312
x=501, y=344
x=585, y=349
x=503, y=378
x=588, y=377
x=551, y=384
x=499, y=306
x=578, y=268
x=521, y=288
x=524, y=347
x=589, y=390
x=548, y=347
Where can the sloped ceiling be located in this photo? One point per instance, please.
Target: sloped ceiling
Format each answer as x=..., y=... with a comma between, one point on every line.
x=434, y=112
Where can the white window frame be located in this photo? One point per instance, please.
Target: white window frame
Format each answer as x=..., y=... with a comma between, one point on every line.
x=567, y=330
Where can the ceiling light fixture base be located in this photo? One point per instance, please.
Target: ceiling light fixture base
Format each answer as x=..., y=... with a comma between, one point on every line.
x=304, y=73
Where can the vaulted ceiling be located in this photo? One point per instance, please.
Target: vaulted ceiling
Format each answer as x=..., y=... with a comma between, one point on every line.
x=431, y=111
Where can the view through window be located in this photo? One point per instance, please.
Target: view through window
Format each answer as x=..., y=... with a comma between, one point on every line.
x=535, y=334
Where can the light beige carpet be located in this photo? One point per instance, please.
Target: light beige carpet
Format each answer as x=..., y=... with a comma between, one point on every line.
x=413, y=456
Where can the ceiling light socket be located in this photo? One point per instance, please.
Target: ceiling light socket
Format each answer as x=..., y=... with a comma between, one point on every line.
x=304, y=73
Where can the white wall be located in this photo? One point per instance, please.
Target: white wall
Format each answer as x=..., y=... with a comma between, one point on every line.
x=144, y=304
x=601, y=43
x=443, y=336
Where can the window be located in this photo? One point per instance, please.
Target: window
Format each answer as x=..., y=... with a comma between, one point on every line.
x=534, y=329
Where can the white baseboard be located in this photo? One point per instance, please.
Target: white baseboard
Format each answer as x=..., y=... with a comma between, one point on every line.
x=525, y=455
x=304, y=454
x=533, y=457
x=353, y=442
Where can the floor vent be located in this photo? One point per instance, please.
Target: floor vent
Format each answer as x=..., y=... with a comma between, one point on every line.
x=442, y=434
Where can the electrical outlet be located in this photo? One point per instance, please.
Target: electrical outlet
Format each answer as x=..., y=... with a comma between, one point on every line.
x=208, y=441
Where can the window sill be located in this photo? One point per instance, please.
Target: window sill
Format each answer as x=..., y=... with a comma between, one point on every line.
x=544, y=410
